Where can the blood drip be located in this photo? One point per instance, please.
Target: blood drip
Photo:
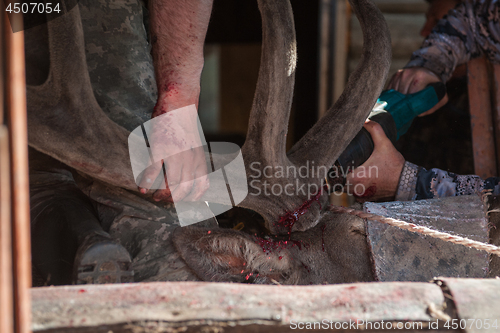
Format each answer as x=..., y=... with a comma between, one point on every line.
x=289, y=219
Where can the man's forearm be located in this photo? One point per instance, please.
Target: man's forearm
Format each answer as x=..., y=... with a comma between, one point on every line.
x=178, y=30
x=418, y=183
x=467, y=32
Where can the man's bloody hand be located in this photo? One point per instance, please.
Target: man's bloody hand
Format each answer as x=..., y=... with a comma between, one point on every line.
x=377, y=179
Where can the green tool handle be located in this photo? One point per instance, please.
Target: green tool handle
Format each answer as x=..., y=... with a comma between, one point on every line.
x=395, y=120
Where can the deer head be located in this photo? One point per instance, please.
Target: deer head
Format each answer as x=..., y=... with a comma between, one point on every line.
x=318, y=246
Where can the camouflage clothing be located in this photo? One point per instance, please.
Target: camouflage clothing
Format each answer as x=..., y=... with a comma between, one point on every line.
x=122, y=77
x=119, y=60
x=418, y=183
x=470, y=30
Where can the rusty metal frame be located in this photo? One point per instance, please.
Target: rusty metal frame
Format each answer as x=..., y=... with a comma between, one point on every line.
x=16, y=115
x=6, y=296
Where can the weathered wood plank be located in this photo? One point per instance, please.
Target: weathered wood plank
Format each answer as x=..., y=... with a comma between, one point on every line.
x=496, y=111
x=404, y=29
x=402, y=6
x=481, y=118
x=6, y=296
x=194, y=304
x=400, y=255
x=476, y=301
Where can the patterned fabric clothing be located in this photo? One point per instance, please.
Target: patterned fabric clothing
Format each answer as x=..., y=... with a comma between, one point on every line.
x=418, y=183
x=470, y=30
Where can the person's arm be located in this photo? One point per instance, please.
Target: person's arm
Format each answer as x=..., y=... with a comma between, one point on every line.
x=468, y=31
x=178, y=29
x=417, y=183
x=454, y=40
x=387, y=176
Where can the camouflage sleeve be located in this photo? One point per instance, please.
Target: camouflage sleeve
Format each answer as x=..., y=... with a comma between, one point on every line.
x=468, y=31
x=418, y=183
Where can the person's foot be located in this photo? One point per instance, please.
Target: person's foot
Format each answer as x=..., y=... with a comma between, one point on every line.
x=101, y=260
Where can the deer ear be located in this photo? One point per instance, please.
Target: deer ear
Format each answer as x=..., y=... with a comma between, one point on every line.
x=224, y=255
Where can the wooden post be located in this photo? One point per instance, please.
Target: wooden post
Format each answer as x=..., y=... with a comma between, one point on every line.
x=496, y=111
x=342, y=18
x=6, y=296
x=17, y=123
x=483, y=139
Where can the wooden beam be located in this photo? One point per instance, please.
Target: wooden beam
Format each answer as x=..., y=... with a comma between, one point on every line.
x=496, y=112
x=342, y=18
x=6, y=296
x=402, y=6
x=325, y=55
x=226, y=307
x=17, y=123
x=2, y=66
x=483, y=139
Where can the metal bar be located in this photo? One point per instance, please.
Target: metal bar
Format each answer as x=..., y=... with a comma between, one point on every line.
x=6, y=296
x=2, y=76
x=483, y=144
x=17, y=122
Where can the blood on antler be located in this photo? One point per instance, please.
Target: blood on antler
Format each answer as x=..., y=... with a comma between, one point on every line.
x=278, y=191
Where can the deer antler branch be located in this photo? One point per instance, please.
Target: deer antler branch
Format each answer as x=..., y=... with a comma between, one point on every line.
x=324, y=143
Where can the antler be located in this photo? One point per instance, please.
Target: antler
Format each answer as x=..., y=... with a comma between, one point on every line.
x=324, y=143
x=265, y=146
x=104, y=154
x=266, y=137
x=264, y=149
